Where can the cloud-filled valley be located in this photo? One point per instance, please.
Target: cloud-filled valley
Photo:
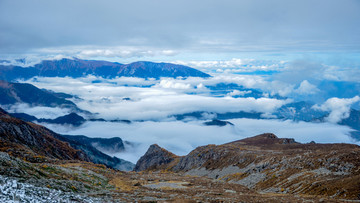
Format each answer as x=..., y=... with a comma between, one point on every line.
x=182, y=137
x=152, y=106
x=173, y=111
x=164, y=98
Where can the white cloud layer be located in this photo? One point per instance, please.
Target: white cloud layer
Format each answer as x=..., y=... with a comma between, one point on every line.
x=38, y=111
x=154, y=100
x=180, y=138
x=164, y=98
x=339, y=108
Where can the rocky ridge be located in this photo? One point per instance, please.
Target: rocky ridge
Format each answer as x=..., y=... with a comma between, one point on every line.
x=154, y=157
x=266, y=163
x=87, y=182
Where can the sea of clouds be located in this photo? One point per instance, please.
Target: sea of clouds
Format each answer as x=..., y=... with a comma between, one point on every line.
x=182, y=137
x=151, y=104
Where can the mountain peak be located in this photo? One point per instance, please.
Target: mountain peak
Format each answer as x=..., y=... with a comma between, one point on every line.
x=265, y=139
x=154, y=158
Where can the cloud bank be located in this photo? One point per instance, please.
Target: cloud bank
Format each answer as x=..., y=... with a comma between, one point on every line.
x=339, y=108
x=38, y=111
x=180, y=138
x=163, y=98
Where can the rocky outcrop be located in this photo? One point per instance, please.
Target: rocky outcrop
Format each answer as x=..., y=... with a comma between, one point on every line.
x=154, y=159
x=267, y=163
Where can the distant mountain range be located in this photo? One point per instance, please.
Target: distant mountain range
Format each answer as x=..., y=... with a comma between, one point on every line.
x=79, y=68
x=70, y=119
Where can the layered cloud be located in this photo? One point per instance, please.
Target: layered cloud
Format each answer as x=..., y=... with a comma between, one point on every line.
x=339, y=108
x=153, y=101
x=164, y=98
x=38, y=111
x=180, y=138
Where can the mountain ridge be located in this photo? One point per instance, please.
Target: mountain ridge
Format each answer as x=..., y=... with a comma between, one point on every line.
x=267, y=163
x=12, y=93
x=79, y=68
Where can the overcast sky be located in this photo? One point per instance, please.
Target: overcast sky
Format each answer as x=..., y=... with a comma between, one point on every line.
x=143, y=28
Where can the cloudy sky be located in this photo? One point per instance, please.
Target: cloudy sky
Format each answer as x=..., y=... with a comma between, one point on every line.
x=184, y=30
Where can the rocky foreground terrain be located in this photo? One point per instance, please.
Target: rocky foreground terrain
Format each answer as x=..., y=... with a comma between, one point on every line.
x=72, y=181
x=35, y=166
x=268, y=164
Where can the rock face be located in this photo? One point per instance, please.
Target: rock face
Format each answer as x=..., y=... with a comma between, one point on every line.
x=267, y=163
x=78, y=68
x=154, y=158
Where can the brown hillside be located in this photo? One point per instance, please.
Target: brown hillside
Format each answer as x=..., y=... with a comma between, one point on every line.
x=270, y=164
x=32, y=142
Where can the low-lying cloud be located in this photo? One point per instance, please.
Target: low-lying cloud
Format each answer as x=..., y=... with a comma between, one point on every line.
x=153, y=101
x=180, y=138
x=38, y=111
x=160, y=100
x=339, y=108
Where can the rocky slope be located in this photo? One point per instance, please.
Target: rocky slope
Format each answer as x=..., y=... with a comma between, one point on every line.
x=28, y=141
x=269, y=164
x=79, y=68
x=36, y=143
x=87, y=182
x=155, y=157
